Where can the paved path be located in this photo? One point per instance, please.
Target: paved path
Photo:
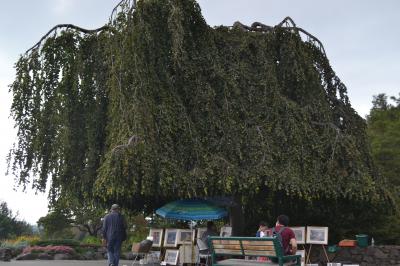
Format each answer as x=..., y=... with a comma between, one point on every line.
x=63, y=263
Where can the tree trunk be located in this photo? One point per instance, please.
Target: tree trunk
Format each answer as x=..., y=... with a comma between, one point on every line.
x=236, y=217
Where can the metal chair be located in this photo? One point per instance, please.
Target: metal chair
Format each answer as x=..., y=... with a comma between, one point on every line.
x=204, y=252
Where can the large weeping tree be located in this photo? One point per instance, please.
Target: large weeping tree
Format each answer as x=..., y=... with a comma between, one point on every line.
x=157, y=105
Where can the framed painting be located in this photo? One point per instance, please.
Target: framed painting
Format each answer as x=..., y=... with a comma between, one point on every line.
x=185, y=236
x=171, y=238
x=171, y=257
x=317, y=235
x=226, y=231
x=157, y=235
x=300, y=234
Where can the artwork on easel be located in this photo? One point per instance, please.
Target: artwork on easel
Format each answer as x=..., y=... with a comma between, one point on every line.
x=185, y=236
x=171, y=257
x=226, y=231
x=157, y=235
x=317, y=235
x=300, y=234
x=171, y=238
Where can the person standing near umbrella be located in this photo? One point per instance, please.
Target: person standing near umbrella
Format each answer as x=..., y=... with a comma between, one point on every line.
x=114, y=233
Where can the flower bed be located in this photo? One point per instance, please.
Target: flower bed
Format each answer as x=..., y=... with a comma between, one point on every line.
x=49, y=249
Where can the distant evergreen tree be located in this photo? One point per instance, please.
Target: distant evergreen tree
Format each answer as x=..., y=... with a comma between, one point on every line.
x=10, y=225
x=384, y=134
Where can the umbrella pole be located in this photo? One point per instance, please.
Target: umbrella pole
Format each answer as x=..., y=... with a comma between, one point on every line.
x=192, y=241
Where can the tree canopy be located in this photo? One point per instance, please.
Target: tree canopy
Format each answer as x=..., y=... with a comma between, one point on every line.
x=157, y=105
x=384, y=133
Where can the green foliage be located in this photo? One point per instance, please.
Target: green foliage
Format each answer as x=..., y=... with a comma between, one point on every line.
x=91, y=240
x=10, y=225
x=56, y=224
x=82, y=215
x=162, y=107
x=384, y=134
x=56, y=242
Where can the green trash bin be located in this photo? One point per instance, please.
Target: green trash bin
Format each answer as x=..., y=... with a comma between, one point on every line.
x=362, y=241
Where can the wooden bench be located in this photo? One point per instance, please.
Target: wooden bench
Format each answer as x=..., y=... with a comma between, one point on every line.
x=240, y=247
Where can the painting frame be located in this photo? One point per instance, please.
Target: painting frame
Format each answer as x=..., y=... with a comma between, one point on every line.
x=171, y=237
x=185, y=232
x=171, y=257
x=317, y=235
x=226, y=231
x=300, y=233
x=157, y=241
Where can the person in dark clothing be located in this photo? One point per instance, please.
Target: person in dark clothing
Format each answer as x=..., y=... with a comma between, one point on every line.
x=114, y=233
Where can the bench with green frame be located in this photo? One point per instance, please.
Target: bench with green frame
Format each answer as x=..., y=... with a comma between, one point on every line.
x=249, y=246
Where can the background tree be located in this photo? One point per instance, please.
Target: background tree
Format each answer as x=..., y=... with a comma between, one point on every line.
x=10, y=225
x=384, y=134
x=82, y=215
x=157, y=106
x=56, y=224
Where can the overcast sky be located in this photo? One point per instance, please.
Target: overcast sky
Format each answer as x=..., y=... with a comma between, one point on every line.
x=361, y=39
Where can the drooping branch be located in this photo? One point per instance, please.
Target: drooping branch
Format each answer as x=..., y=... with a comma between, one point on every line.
x=66, y=26
x=287, y=23
x=131, y=4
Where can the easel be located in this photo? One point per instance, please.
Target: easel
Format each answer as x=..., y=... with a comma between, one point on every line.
x=308, y=254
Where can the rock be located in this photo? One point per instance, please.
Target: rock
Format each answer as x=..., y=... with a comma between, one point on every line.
x=89, y=255
x=379, y=254
x=5, y=254
x=27, y=256
x=45, y=256
x=99, y=256
x=62, y=256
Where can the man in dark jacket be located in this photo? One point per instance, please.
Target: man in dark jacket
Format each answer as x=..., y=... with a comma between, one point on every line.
x=114, y=232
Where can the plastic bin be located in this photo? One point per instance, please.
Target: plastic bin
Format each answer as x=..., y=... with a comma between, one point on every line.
x=362, y=240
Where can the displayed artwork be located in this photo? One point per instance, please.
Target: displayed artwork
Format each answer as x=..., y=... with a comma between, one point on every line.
x=200, y=231
x=317, y=235
x=226, y=231
x=171, y=238
x=156, y=254
x=171, y=257
x=300, y=233
x=157, y=235
x=185, y=236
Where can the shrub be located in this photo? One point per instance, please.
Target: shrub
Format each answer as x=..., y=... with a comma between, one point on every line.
x=91, y=240
x=57, y=242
